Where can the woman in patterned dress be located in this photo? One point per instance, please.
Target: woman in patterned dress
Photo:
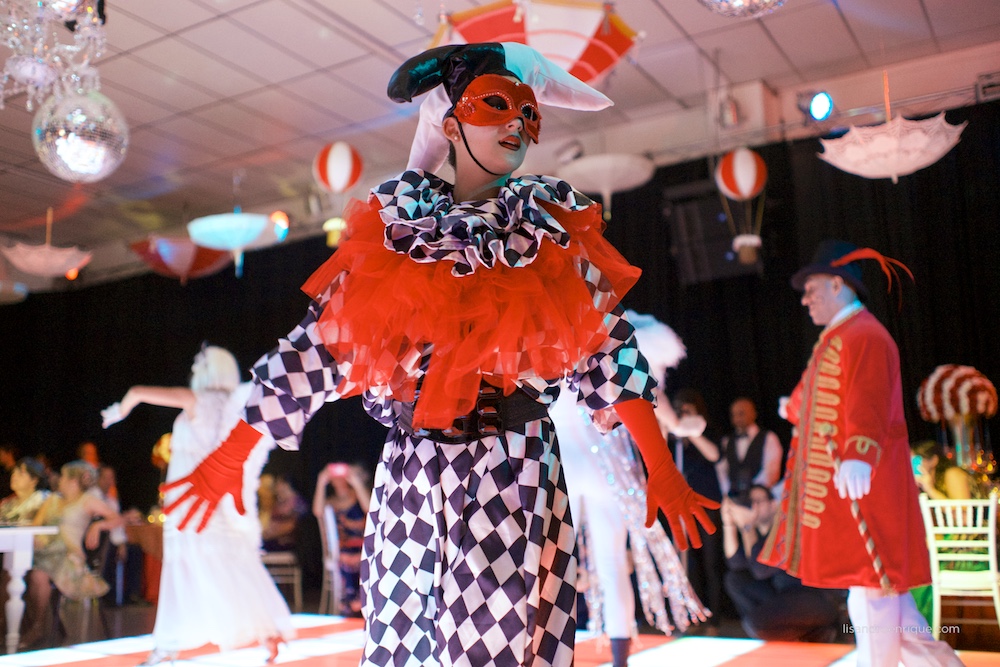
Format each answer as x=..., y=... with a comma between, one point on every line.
x=455, y=310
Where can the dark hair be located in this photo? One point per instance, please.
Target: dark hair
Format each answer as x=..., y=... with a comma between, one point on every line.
x=763, y=488
x=692, y=397
x=925, y=449
x=36, y=469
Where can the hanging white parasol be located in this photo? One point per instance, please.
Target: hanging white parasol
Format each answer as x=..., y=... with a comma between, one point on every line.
x=11, y=291
x=894, y=148
x=608, y=173
x=46, y=260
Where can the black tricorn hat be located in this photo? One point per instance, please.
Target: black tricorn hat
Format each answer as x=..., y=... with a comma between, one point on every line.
x=840, y=258
x=454, y=67
x=823, y=261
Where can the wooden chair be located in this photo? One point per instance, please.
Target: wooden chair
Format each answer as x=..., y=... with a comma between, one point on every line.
x=962, y=532
x=284, y=568
x=332, y=590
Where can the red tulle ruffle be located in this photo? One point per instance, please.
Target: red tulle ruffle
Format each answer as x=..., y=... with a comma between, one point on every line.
x=538, y=320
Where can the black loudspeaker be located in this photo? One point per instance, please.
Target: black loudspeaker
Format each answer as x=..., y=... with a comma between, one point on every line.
x=701, y=237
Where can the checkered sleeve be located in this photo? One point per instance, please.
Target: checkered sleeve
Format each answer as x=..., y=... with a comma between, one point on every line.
x=293, y=381
x=616, y=373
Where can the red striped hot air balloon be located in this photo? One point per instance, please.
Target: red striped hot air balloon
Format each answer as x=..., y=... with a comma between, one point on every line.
x=337, y=167
x=741, y=175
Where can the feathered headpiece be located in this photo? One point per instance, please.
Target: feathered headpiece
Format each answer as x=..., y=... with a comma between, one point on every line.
x=840, y=258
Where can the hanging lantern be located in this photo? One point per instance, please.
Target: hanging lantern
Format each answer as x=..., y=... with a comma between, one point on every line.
x=178, y=257
x=337, y=167
x=741, y=175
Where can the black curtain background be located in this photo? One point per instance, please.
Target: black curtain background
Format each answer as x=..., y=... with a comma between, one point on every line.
x=65, y=356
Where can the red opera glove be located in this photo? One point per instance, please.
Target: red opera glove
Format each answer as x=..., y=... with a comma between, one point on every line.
x=220, y=473
x=666, y=489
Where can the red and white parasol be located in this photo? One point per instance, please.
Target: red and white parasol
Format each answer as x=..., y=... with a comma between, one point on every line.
x=587, y=39
x=179, y=257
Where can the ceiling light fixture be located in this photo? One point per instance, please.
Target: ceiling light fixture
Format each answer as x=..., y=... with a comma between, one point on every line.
x=818, y=106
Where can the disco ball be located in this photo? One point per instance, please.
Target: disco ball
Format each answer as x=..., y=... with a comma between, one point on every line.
x=742, y=8
x=80, y=138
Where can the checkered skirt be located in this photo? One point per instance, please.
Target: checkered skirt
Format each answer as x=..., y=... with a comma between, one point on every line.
x=469, y=553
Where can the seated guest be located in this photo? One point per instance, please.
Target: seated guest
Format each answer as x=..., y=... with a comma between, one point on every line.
x=29, y=483
x=939, y=478
x=281, y=507
x=773, y=605
x=346, y=489
x=59, y=559
x=128, y=556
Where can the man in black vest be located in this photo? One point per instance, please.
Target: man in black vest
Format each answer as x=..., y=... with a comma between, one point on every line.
x=750, y=455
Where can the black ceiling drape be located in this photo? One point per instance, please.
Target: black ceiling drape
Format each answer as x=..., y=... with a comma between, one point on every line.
x=65, y=356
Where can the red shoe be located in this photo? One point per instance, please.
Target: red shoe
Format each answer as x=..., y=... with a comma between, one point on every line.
x=272, y=644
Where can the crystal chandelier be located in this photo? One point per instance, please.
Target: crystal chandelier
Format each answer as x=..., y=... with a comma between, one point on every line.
x=52, y=43
x=742, y=8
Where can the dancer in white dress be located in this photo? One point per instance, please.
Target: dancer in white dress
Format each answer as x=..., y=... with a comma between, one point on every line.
x=607, y=495
x=213, y=586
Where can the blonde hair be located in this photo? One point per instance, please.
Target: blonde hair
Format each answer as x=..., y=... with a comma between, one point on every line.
x=218, y=371
x=84, y=473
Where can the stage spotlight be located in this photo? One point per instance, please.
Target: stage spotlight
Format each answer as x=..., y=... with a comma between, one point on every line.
x=817, y=106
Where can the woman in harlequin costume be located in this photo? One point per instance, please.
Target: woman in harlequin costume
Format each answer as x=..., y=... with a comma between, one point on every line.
x=456, y=310
x=213, y=586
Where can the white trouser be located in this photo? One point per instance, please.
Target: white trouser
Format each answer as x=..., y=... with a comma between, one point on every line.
x=889, y=630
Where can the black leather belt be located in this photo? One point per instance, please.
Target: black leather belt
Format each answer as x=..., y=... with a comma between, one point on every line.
x=494, y=414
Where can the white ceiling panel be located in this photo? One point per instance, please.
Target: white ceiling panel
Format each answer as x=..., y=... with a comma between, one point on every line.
x=679, y=67
x=203, y=128
x=952, y=18
x=881, y=26
x=125, y=31
x=344, y=100
x=172, y=16
x=199, y=68
x=259, y=129
x=155, y=83
x=733, y=45
x=300, y=32
x=247, y=51
x=984, y=35
x=292, y=109
x=807, y=48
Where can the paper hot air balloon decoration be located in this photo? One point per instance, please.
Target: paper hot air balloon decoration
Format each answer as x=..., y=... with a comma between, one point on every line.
x=741, y=176
x=337, y=167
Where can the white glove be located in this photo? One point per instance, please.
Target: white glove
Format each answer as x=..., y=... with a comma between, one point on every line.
x=111, y=415
x=854, y=479
x=783, y=407
x=689, y=426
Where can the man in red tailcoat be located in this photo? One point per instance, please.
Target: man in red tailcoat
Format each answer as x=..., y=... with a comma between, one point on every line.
x=851, y=448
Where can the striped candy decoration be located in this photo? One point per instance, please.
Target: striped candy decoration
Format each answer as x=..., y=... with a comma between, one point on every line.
x=952, y=390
